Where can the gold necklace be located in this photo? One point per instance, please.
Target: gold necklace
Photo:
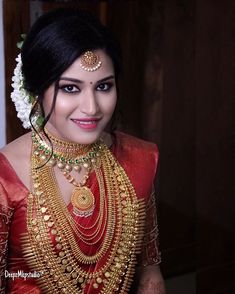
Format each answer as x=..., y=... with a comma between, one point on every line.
x=102, y=216
x=66, y=155
x=59, y=154
x=58, y=253
x=102, y=208
x=80, y=196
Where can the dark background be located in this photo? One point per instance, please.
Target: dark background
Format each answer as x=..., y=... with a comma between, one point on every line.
x=178, y=91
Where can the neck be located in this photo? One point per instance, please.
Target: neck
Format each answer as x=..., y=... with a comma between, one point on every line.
x=65, y=147
x=65, y=154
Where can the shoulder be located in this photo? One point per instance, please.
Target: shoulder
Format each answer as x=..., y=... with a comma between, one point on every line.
x=18, y=150
x=15, y=160
x=129, y=143
x=14, y=170
x=139, y=158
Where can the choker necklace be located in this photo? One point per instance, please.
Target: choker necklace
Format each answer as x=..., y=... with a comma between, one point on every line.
x=66, y=155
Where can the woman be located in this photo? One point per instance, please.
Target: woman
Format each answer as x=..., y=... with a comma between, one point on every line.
x=73, y=196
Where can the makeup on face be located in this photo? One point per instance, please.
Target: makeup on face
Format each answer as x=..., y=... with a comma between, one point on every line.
x=85, y=101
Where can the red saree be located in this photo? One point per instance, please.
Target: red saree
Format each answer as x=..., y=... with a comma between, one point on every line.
x=139, y=160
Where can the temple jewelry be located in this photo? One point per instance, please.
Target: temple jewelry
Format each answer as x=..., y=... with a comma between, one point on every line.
x=83, y=201
x=56, y=244
x=90, y=61
x=82, y=198
x=67, y=156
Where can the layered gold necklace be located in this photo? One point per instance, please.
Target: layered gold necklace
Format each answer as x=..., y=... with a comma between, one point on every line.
x=74, y=256
x=68, y=157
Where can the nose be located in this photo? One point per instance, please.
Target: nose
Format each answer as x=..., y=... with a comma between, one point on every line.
x=88, y=103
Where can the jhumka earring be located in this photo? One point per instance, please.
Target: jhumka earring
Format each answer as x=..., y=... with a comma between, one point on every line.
x=38, y=118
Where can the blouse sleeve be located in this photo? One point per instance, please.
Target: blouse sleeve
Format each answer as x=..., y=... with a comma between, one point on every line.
x=5, y=218
x=151, y=254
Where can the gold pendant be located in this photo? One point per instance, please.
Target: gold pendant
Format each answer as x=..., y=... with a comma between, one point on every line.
x=83, y=201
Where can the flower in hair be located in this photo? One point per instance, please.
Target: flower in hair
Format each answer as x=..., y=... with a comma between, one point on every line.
x=22, y=99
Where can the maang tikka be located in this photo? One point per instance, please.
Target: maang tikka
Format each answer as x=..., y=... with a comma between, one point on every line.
x=90, y=61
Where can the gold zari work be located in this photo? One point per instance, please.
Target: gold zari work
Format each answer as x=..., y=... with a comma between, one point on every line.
x=51, y=245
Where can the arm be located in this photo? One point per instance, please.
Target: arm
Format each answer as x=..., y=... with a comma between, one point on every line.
x=151, y=280
x=5, y=216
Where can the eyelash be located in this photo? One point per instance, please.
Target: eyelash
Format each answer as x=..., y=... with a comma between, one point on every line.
x=75, y=89
x=109, y=85
x=64, y=88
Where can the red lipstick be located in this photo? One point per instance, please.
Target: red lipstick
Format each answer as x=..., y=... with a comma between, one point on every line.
x=87, y=123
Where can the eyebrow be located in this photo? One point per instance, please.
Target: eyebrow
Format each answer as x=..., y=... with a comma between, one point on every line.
x=80, y=81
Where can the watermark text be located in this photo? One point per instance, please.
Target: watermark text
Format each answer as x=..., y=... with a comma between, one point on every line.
x=22, y=274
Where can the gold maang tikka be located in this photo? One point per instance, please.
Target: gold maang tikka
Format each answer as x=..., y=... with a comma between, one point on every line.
x=90, y=61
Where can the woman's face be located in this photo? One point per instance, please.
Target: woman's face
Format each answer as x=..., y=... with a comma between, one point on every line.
x=85, y=101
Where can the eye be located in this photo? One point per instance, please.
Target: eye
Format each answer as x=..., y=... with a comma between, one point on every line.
x=104, y=87
x=69, y=88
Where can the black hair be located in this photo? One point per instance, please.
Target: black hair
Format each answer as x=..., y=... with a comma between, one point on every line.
x=54, y=42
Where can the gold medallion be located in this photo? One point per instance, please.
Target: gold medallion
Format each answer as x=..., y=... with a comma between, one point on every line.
x=83, y=201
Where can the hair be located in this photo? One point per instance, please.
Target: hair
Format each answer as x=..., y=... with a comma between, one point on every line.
x=54, y=42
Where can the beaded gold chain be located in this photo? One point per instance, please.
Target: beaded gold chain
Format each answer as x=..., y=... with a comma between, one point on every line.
x=66, y=155
x=51, y=245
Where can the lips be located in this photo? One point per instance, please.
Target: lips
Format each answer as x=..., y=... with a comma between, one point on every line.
x=86, y=123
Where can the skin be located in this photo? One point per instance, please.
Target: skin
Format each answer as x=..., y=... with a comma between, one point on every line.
x=151, y=281
x=82, y=95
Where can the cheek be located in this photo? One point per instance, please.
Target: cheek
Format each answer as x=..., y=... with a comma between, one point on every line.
x=47, y=106
x=62, y=106
x=108, y=105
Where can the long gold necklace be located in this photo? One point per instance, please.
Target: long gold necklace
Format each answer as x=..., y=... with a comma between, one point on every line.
x=51, y=246
x=82, y=198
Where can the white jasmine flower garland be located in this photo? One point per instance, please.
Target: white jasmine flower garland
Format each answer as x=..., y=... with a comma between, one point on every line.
x=21, y=98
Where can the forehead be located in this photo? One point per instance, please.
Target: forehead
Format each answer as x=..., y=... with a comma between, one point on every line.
x=76, y=70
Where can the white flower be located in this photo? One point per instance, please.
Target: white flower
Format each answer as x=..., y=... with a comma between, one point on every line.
x=20, y=96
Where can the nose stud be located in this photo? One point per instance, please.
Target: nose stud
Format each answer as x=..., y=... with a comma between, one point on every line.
x=90, y=61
